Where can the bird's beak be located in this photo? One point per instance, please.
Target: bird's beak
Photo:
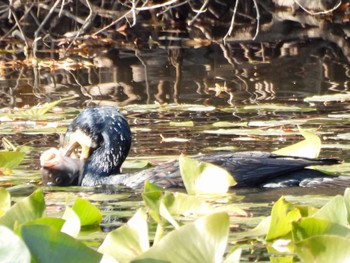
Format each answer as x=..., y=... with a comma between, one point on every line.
x=79, y=139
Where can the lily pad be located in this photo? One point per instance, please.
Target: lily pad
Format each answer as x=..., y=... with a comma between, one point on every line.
x=47, y=244
x=282, y=215
x=10, y=159
x=202, y=241
x=5, y=201
x=128, y=241
x=310, y=147
x=324, y=249
x=204, y=178
x=89, y=214
x=308, y=227
x=329, y=97
x=12, y=248
x=25, y=210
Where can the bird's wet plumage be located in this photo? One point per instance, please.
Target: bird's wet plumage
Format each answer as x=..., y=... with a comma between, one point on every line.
x=106, y=133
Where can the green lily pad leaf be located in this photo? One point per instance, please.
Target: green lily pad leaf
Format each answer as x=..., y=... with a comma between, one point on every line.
x=89, y=214
x=282, y=215
x=5, y=201
x=25, y=210
x=72, y=223
x=308, y=227
x=310, y=147
x=234, y=256
x=204, y=178
x=12, y=248
x=152, y=196
x=227, y=124
x=10, y=160
x=56, y=223
x=273, y=107
x=202, y=241
x=139, y=164
x=260, y=230
x=347, y=201
x=184, y=204
x=181, y=123
x=164, y=212
x=173, y=139
x=47, y=244
x=323, y=249
x=128, y=241
x=331, y=97
x=334, y=211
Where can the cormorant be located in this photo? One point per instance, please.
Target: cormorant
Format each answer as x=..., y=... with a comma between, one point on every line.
x=105, y=138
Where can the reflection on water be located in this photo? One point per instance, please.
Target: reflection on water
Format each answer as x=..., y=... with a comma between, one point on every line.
x=216, y=74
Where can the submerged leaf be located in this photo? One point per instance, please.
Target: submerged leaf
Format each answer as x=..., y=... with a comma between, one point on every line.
x=204, y=178
x=40, y=110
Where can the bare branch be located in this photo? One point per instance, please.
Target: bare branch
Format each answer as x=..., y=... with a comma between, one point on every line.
x=257, y=19
x=232, y=22
x=320, y=12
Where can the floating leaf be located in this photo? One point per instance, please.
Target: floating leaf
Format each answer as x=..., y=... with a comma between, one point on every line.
x=139, y=164
x=10, y=160
x=173, y=139
x=54, y=222
x=309, y=148
x=205, y=178
x=347, y=202
x=12, y=248
x=308, y=227
x=184, y=204
x=72, y=223
x=324, y=249
x=128, y=241
x=152, y=195
x=47, y=244
x=202, y=241
x=226, y=124
x=334, y=211
x=234, y=256
x=260, y=230
x=331, y=97
x=5, y=201
x=273, y=107
x=282, y=215
x=89, y=214
x=181, y=123
x=25, y=210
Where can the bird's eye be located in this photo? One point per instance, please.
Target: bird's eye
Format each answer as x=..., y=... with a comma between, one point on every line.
x=58, y=180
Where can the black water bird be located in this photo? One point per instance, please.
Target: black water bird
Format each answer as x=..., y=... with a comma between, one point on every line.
x=105, y=138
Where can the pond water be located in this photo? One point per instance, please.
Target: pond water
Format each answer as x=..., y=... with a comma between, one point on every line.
x=239, y=97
